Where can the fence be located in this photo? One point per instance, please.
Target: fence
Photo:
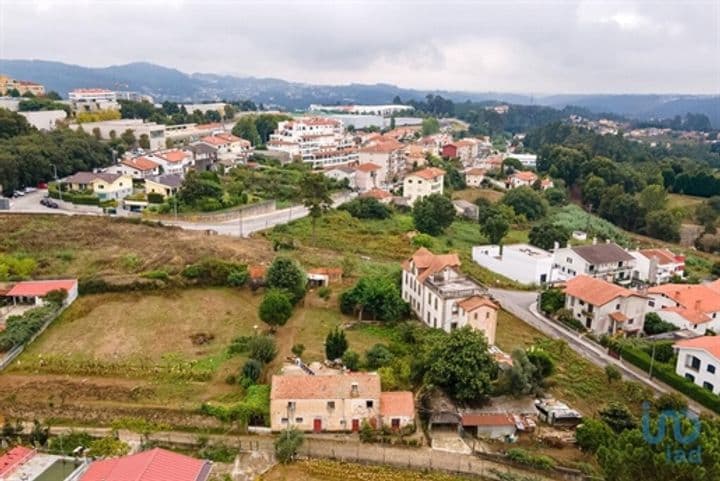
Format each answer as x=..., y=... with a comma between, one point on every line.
x=10, y=356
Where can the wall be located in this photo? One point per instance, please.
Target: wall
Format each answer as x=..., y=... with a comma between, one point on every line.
x=311, y=409
x=701, y=375
x=516, y=265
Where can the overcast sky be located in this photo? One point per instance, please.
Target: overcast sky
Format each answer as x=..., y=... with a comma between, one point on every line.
x=511, y=46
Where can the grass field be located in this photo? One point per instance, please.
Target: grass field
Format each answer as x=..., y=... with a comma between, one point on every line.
x=471, y=195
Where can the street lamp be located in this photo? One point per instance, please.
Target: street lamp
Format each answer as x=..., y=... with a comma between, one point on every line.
x=57, y=181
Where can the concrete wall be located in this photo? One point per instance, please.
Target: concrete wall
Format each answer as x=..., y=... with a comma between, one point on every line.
x=701, y=375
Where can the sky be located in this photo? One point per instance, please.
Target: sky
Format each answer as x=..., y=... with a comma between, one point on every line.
x=530, y=46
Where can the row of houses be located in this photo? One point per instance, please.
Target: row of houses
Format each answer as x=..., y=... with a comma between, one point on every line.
x=530, y=265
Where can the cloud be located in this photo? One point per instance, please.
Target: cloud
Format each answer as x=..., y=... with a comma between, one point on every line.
x=515, y=45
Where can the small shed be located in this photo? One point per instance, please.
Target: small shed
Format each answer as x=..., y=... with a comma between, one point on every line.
x=446, y=421
x=33, y=292
x=397, y=409
x=324, y=276
x=490, y=425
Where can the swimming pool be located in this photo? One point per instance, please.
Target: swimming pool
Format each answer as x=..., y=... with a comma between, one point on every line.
x=59, y=470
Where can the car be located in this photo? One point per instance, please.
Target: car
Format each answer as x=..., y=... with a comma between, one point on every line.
x=30, y=189
x=18, y=193
x=42, y=185
x=52, y=204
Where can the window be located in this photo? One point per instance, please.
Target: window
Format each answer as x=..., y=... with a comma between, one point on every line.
x=590, y=307
x=436, y=303
x=591, y=268
x=369, y=404
x=283, y=420
x=651, y=303
x=708, y=386
x=291, y=405
x=711, y=369
x=487, y=315
x=568, y=260
x=690, y=377
x=692, y=362
x=331, y=405
x=299, y=420
x=617, y=307
x=453, y=326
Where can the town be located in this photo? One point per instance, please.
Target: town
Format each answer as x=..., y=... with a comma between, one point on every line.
x=393, y=285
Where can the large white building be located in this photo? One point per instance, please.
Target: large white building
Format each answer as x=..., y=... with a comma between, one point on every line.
x=443, y=298
x=383, y=110
x=91, y=100
x=115, y=128
x=423, y=183
x=605, y=308
x=521, y=263
x=319, y=141
x=606, y=261
x=698, y=361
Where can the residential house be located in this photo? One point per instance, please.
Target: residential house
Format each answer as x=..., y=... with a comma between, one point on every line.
x=423, y=183
x=166, y=185
x=138, y=168
x=23, y=86
x=491, y=162
x=204, y=156
x=103, y=185
x=342, y=173
x=466, y=150
x=397, y=409
x=522, y=263
x=474, y=177
x=489, y=425
x=605, y=308
x=688, y=306
x=388, y=154
x=367, y=176
x=382, y=196
x=698, y=361
x=154, y=465
x=521, y=178
x=324, y=402
x=658, y=266
x=444, y=298
x=415, y=155
x=228, y=146
x=174, y=161
x=33, y=292
x=607, y=261
x=319, y=141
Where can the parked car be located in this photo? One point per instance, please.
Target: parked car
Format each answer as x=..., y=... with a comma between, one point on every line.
x=42, y=185
x=30, y=189
x=18, y=193
x=52, y=204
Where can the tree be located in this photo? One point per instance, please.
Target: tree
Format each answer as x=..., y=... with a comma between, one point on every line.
x=663, y=225
x=351, y=360
x=245, y=128
x=378, y=356
x=655, y=325
x=262, y=348
x=108, y=447
x=653, y=197
x=128, y=137
x=198, y=186
x=275, y=308
x=285, y=274
x=13, y=92
x=555, y=196
x=546, y=234
x=593, y=190
x=544, y=365
x=252, y=370
x=592, y=434
x=39, y=433
x=144, y=141
x=552, y=300
x=495, y=228
x=298, y=349
x=376, y=297
x=335, y=344
x=433, y=214
x=618, y=417
x=53, y=95
x=315, y=196
x=430, y=126
x=612, y=373
x=526, y=201
x=287, y=445
x=522, y=374
x=229, y=112
x=461, y=365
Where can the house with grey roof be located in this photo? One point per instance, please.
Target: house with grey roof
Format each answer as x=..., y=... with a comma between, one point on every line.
x=607, y=261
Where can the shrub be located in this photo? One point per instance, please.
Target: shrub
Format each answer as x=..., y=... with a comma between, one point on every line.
x=538, y=461
x=157, y=275
x=378, y=356
x=655, y=325
x=108, y=447
x=612, y=373
x=423, y=240
x=552, y=300
x=287, y=445
x=566, y=317
x=262, y=348
x=155, y=198
x=335, y=344
x=20, y=329
x=351, y=360
x=215, y=272
x=298, y=349
x=366, y=208
x=240, y=345
x=367, y=433
x=275, y=308
x=252, y=370
x=324, y=292
x=219, y=453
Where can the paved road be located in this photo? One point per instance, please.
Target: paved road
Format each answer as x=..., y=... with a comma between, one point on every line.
x=30, y=203
x=523, y=305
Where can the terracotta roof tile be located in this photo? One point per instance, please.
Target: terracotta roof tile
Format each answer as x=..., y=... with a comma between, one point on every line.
x=154, y=465
x=41, y=288
x=141, y=163
x=325, y=387
x=397, y=403
x=368, y=167
x=596, y=291
x=428, y=173
x=711, y=344
x=474, y=302
x=698, y=297
x=487, y=419
x=664, y=256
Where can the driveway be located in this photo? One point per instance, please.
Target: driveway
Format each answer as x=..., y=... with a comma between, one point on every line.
x=523, y=305
x=30, y=203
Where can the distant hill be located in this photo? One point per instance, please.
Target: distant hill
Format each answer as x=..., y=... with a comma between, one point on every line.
x=164, y=83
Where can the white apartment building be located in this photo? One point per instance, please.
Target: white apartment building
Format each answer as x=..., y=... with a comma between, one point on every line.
x=423, y=183
x=110, y=128
x=382, y=110
x=173, y=161
x=605, y=261
x=443, y=298
x=388, y=153
x=521, y=263
x=91, y=100
x=699, y=361
x=605, y=308
x=319, y=141
x=657, y=266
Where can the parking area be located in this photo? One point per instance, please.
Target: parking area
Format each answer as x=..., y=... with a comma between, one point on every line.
x=30, y=202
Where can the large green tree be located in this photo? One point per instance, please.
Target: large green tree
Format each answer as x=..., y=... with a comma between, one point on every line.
x=546, y=234
x=433, y=214
x=526, y=201
x=285, y=274
x=495, y=228
x=275, y=308
x=375, y=297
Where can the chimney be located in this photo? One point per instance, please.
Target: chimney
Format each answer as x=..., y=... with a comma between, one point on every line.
x=697, y=304
x=354, y=392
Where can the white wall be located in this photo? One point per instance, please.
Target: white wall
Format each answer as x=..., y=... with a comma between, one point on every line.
x=700, y=375
x=516, y=265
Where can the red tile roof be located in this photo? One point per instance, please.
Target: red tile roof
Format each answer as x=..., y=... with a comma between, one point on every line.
x=487, y=419
x=596, y=291
x=700, y=297
x=141, y=163
x=368, y=167
x=525, y=176
x=475, y=171
x=13, y=459
x=325, y=387
x=257, y=272
x=378, y=194
x=428, y=263
x=174, y=155
x=428, y=173
x=41, y=288
x=664, y=256
x=397, y=403
x=154, y=465
x=475, y=302
x=711, y=344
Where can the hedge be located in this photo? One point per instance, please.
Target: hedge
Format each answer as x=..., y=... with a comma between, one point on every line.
x=255, y=406
x=666, y=373
x=20, y=329
x=75, y=198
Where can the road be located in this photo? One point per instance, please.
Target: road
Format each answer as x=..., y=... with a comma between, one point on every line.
x=30, y=203
x=523, y=305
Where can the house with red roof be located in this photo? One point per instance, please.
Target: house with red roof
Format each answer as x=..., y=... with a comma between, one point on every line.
x=368, y=176
x=153, y=465
x=698, y=361
x=521, y=179
x=397, y=409
x=657, y=266
x=389, y=154
x=173, y=161
x=33, y=292
x=422, y=183
x=444, y=298
x=489, y=425
x=695, y=307
x=137, y=167
x=14, y=459
x=603, y=307
x=474, y=176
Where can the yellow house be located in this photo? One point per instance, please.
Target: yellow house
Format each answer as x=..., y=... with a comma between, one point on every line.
x=480, y=314
x=105, y=186
x=165, y=185
x=22, y=86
